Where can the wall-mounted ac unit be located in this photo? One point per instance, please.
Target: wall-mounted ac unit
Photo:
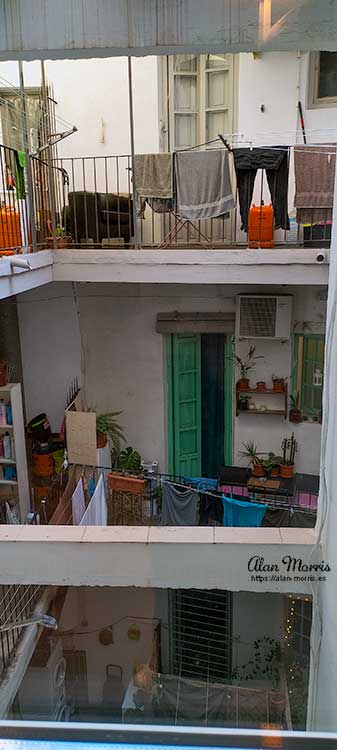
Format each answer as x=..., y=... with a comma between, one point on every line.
x=263, y=316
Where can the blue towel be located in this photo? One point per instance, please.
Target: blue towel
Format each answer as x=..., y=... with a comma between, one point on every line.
x=240, y=513
x=202, y=484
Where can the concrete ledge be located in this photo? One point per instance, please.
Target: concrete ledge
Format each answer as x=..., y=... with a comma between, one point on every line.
x=185, y=266
x=154, y=557
x=16, y=280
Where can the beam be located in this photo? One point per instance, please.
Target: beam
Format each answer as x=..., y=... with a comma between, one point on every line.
x=155, y=557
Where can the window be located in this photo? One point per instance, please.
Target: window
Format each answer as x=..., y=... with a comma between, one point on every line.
x=11, y=118
x=198, y=99
x=323, y=79
x=299, y=617
x=308, y=374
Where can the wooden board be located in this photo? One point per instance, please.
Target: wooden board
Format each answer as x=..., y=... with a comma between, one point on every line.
x=267, y=484
x=81, y=437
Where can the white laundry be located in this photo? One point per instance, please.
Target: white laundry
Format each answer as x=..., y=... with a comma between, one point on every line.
x=96, y=513
x=78, y=503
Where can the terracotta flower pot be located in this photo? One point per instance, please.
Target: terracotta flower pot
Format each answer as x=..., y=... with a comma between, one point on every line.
x=274, y=472
x=243, y=384
x=261, y=385
x=278, y=386
x=295, y=415
x=124, y=483
x=286, y=472
x=258, y=470
x=101, y=440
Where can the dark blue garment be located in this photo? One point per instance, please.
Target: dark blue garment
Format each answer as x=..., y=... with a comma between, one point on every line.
x=241, y=513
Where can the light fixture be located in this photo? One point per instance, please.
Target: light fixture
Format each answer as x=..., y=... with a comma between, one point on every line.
x=47, y=621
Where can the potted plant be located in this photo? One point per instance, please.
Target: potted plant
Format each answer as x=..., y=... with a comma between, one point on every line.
x=245, y=365
x=61, y=237
x=295, y=414
x=271, y=464
x=289, y=448
x=108, y=428
x=129, y=463
x=254, y=458
x=278, y=383
x=261, y=385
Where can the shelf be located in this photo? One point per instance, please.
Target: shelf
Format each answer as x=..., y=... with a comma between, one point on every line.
x=8, y=481
x=276, y=412
x=7, y=460
x=262, y=393
x=6, y=427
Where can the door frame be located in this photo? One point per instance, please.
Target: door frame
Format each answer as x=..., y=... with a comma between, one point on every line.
x=228, y=401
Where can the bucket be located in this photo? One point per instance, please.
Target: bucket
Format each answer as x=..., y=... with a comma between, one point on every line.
x=43, y=464
x=39, y=428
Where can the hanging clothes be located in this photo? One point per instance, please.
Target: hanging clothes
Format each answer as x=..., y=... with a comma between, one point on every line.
x=20, y=163
x=211, y=510
x=179, y=506
x=78, y=503
x=301, y=519
x=154, y=175
x=96, y=513
x=203, y=184
x=275, y=160
x=315, y=168
x=276, y=517
x=240, y=513
x=161, y=205
x=201, y=483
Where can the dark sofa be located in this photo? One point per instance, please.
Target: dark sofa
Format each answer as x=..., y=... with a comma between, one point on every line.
x=96, y=216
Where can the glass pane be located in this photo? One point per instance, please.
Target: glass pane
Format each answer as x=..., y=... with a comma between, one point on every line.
x=216, y=89
x=185, y=131
x=327, y=83
x=185, y=93
x=216, y=61
x=216, y=122
x=188, y=63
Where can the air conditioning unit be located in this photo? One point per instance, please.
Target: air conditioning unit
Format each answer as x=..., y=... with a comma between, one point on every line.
x=263, y=316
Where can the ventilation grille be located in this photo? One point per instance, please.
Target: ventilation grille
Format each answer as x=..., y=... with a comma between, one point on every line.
x=258, y=317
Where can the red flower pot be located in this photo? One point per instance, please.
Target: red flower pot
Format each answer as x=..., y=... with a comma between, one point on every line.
x=243, y=384
x=278, y=386
x=101, y=440
x=123, y=483
x=258, y=470
x=274, y=472
x=286, y=472
x=260, y=385
x=295, y=415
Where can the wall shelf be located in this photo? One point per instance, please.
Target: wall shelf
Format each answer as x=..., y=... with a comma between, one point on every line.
x=7, y=461
x=12, y=392
x=261, y=394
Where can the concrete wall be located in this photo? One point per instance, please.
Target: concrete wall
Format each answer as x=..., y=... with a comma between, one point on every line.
x=124, y=358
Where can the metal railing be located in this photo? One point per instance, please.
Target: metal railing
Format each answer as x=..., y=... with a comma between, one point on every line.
x=16, y=605
x=27, y=225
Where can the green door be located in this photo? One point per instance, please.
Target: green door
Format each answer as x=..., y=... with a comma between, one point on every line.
x=185, y=404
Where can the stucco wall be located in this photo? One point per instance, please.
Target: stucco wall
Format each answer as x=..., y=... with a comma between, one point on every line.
x=124, y=358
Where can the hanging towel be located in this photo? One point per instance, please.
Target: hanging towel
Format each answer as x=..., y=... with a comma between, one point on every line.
x=314, y=179
x=275, y=161
x=301, y=519
x=96, y=513
x=276, y=517
x=153, y=175
x=20, y=163
x=179, y=506
x=240, y=513
x=203, y=184
x=78, y=503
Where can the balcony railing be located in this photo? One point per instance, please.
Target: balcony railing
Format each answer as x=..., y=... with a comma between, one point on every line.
x=17, y=604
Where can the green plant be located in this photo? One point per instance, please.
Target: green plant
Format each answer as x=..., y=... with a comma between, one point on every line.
x=289, y=448
x=271, y=462
x=251, y=453
x=295, y=402
x=247, y=363
x=108, y=425
x=129, y=460
x=278, y=379
x=265, y=663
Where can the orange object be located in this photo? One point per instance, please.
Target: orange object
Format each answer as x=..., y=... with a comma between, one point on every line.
x=43, y=464
x=126, y=483
x=261, y=227
x=10, y=232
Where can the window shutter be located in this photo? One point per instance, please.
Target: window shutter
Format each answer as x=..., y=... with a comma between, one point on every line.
x=187, y=405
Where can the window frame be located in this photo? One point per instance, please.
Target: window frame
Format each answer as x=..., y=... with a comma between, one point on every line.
x=315, y=415
x=313, y=100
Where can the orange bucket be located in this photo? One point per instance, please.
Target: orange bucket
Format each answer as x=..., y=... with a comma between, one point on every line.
x=43, y=464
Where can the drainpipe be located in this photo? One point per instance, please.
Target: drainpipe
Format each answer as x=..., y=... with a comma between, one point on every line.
x=14, y=673
x=132, y=140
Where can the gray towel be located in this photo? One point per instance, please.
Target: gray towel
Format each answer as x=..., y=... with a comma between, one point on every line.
x=203, y=184
x=314, y=177
x=179, y=506
x=153, y=175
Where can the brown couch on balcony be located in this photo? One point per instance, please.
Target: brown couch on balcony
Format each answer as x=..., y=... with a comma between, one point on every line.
x=94, y=217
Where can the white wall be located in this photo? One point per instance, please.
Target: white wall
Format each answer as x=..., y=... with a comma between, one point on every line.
x=124, y=358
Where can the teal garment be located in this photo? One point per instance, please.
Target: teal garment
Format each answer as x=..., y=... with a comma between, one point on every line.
x=201, y=483
x=241, y=513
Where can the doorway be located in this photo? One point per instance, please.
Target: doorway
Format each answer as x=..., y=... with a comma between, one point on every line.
x=200, y=382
